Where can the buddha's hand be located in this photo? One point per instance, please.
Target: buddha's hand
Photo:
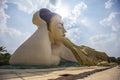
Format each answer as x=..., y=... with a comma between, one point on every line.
x=37, y=20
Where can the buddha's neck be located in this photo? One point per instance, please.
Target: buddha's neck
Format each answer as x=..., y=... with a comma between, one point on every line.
x=53, y=41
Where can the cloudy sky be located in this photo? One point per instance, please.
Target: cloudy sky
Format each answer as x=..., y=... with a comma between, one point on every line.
x=94, y=23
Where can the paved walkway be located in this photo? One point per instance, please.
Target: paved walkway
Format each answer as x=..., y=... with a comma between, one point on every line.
x=45, y=74
x=110, y=74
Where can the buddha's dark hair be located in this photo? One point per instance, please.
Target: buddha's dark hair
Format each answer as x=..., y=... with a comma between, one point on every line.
x=46, y=15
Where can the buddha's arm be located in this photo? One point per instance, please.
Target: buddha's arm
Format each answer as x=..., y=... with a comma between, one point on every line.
x=79, y=55
x=66, y=53
x=69, y=45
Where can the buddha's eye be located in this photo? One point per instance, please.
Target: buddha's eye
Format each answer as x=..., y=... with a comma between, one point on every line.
x=61, y=24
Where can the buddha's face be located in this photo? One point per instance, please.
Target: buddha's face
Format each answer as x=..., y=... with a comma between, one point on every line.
x=57, y=28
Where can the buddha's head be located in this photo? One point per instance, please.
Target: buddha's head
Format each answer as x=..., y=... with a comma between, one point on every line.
x=54, y=24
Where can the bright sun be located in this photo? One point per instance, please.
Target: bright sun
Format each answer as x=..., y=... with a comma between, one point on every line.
x=63, y=11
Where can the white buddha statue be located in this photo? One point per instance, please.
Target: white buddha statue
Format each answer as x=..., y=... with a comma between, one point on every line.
x=45, y=46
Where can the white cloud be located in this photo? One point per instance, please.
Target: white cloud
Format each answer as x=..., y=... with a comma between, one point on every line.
x=8, y=35
x=108, y=43
x=103, y=38
x=24, y=5
x=78, y=9
x=109, y=4
x=113, y=21
x=86, y=22
x=13, y=38
x=14, y=33
x=75, y=13
x=2, y=4
x=30, y=6
x=73, y=35
x=3, y=21
x=3, y=16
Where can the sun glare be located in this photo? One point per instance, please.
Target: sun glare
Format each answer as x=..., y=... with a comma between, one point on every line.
x=63, y=12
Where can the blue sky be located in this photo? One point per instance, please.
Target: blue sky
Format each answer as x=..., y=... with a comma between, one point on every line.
x=94, y=23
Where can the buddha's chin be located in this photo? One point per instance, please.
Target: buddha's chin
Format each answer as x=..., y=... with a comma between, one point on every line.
x=60, y=39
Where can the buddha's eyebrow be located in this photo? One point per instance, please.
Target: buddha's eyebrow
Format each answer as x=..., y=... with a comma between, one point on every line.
x=60, y=23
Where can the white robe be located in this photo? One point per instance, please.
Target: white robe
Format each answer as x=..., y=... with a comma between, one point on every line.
x=37, y=50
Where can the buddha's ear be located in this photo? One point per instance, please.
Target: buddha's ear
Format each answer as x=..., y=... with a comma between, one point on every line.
x=51, y=37
x=37, y=20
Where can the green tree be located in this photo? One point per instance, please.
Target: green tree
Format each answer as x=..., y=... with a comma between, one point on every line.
x=113, y=59
x=2, y=49
x=118, y=60
x=4, y=56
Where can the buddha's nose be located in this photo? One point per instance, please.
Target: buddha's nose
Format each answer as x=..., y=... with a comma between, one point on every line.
x=64, y=31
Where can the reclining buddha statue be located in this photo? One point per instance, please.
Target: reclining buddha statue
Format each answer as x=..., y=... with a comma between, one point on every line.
x=48, y=45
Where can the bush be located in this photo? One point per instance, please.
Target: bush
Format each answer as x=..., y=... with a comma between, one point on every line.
x=113, y=59
x=118, y=60
x=4, y=58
